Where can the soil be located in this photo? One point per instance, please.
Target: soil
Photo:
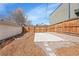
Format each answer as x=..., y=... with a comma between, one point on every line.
x=68, y=51
x=23, y=46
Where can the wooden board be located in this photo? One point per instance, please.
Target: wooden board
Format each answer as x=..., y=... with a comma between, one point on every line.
x=77, y=30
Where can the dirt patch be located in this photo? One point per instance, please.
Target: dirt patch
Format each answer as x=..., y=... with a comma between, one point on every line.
x=68, y=51
x=23, y=46
x=7, y=41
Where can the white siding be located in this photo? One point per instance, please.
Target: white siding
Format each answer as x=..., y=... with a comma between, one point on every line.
x=62, y=13
x=73, y=6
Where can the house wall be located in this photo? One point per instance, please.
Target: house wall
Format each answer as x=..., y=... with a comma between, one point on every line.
x=73, y=6
x=62, y=13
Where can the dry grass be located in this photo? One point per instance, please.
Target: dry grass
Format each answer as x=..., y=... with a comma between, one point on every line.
x=68, y=51
x=23, y=46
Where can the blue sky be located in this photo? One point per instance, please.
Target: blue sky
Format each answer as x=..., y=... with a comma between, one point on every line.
x=36, y=12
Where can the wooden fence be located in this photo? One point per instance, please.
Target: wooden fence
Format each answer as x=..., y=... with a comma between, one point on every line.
x=36, y=29
x=69, y=26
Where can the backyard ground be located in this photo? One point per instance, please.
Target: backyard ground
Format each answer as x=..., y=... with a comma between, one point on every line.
x=23, y=46
x=42, y=44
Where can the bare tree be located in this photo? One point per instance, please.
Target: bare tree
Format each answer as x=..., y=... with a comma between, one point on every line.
x=19, y=17
x=28, y=22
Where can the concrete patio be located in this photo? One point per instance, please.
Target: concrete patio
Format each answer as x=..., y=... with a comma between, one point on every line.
x=50, y=42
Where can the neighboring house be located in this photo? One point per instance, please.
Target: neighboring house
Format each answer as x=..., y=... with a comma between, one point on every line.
x=64, y=12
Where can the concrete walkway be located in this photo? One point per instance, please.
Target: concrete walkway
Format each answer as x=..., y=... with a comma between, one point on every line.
x=39, y=37
x=49, y=42
x=66, y=37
